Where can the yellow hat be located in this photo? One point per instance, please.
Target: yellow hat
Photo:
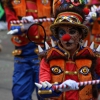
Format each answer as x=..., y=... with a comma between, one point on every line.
x=69, y=18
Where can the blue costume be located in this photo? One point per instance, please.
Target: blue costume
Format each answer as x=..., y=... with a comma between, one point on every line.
x=26, y=70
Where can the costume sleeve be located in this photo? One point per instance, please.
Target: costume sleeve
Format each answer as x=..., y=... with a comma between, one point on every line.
x=10, y=15
x=45, y=73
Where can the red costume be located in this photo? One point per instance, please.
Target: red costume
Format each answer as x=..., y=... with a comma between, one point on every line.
x=79, y=70
x=69, y=60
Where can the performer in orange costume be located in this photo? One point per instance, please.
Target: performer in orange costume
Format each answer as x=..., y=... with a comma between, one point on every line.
x=26, y=63
x=68, y=62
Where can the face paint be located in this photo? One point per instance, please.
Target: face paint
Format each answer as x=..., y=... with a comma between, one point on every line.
x=73, y=42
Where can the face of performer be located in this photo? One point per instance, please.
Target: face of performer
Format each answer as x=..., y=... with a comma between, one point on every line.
x=72, y=44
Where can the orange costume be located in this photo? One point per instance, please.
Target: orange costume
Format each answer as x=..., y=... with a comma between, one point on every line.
x=68, y=62
x=56, y=69
x=96, y=31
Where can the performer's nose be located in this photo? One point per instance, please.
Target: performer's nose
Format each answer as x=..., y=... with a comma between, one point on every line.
x=66, y=37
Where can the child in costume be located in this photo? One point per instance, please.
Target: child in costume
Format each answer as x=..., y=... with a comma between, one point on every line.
x=26, y=62
x=68, y=63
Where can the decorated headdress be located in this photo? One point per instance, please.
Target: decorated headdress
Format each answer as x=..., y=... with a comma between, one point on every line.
x=93, y=21
x=93, y=14
x=71, y=12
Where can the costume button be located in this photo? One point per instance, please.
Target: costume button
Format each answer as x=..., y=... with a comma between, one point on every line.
x=42, y=41
x=75, y=72
x=35, y=11
x=36, y=50
x=19, y=52
x=65, y=53
x=77, y=52
x=67, y=72
x=13, y=53
x=55, y=83
x=37, y=37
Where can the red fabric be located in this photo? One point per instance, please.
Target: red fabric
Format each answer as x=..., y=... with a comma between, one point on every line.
x=31, y=6
x=71, y=95
x=98, y=66
x=10, y=16
x=45, y=74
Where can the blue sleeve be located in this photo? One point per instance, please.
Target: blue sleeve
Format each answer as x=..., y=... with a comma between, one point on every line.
x=16, y=27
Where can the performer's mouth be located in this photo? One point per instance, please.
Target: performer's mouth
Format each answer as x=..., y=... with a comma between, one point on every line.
x=68, y=43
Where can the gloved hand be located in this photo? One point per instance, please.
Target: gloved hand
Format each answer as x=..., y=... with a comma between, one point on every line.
x=19, y=29
x=29, y=19
x=16, y=30
x=68, y=85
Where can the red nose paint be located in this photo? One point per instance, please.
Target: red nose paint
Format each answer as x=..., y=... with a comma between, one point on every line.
x=66, y=37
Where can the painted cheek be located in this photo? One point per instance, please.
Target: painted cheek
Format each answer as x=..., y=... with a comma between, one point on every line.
x=75, y=38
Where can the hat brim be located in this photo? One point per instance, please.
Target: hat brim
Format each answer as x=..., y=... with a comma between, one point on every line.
x=84, y=28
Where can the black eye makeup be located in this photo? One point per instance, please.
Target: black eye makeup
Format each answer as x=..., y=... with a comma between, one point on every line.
x=72, y=31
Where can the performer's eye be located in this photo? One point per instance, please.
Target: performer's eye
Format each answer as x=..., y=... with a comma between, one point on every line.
x=61, y=32
x=73, y=31
x=56, y=70
x=84, y=70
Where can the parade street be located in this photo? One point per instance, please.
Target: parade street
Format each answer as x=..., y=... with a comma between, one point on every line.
x=6, y=67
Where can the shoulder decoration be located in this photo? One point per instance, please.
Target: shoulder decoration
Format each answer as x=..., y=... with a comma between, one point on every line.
x=53, y=53
x=93, y=15
x=86, y=51
x=50, y=52
x=94, y=51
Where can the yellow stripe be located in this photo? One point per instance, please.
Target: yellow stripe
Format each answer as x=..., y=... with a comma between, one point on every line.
x=71, y=73
x=30, y=10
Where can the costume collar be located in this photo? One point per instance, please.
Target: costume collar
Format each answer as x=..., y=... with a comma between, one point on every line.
x=67, y=52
